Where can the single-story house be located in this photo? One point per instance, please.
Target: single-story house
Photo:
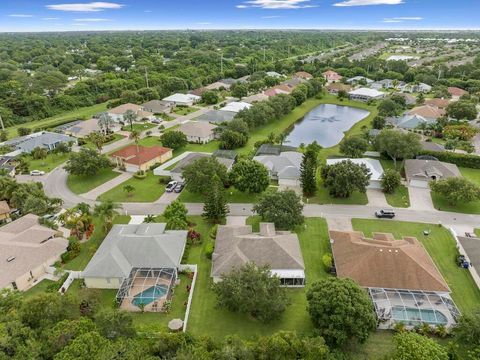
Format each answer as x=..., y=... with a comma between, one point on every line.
x=235, y=246
x=218, y=85
x=274, y=74
x=176, y=172
x=118, y=112
x=456, y=92
x=331, y=76
x=277, y=90
x=43, y=139
x=216, y=116
x=255, y=98
x=85, y=128
x=414, y=88
x=420, y=172
x=236, y=106
x=427, y=111
x=27, y=250
x=157, y=106
x=470, y=248
x=359, y=80
x=200, y=132
x=410, y=122
x=437, y=103
x=182, y=99
x=4, y=211
x=400, y=276
x=135, y=259
x=284, y=167
x=387, y=84
x=373, y=165
x=365, y=94
x=335, y=88
x=135, y=158
x=303, y=75
x=290, y=84
x=409, y=99
x=199, y=92
x=272, y=149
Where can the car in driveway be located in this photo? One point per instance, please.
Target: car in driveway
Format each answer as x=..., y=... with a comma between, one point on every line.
x=171, y=186
x=179, y=187
x=37, y=173
x=385, y=214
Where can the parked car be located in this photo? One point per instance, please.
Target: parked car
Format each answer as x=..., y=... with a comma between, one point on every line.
x=462, y=262
x=171, y=186
x=179, y=187
x=37, y=173
x=385, y=214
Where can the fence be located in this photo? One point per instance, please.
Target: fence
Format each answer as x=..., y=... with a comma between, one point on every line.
x=193, y=268
x=72, y=275
x=460, y=248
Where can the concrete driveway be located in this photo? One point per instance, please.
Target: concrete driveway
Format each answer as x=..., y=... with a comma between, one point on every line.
x=376, y=197
x=420, y=199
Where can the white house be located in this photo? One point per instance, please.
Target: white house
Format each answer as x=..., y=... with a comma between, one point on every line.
x=365, y=94
x=182, y=99
x=118, y=112
x=373, y=165
x=200, y=132
x=284, y=167
x=236, y=106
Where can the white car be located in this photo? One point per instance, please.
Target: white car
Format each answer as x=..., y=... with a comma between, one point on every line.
x=170, y=186
x=37, y=173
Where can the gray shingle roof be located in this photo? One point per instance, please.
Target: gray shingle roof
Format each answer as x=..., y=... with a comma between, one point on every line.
x=216, y=116
x=283, y=166
x=43, y=140
x=427, y=169
x=137, y=246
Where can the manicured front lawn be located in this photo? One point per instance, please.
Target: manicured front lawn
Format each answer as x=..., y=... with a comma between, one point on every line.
x=40, y=287
x=207, y=319
x=81, y=113
x=322, y=196
x=233, y=196
x=89, y=247
x=399, y=198
x=49, y=163
x=441, y=247
x=185, y=110
x=146, y=190
x=84, y=183
x=139, y=126
x=115, y=138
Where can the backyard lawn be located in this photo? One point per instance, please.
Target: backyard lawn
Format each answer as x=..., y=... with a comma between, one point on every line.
x=81, y=113
x=472, y=207
x=49, y=163
x=232, y=195
x=145, y=190
x=185, y=110
x=441, y=247
x=139, y=126
x=84, y=183
x=322, y=196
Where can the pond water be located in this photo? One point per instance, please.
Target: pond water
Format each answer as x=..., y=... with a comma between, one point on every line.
x=325, y=124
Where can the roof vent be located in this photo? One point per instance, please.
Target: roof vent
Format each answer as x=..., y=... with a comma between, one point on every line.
x=10, y=259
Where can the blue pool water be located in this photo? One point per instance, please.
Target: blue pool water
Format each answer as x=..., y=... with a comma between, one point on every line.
x=419, y=315
x=150, y=295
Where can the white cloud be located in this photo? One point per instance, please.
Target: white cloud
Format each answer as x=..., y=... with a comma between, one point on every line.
x=271, y=17
x=368, y=2
x=85, y=7
x=91, y=20
x=204, y=23
x=148, y=11
x=276, y=4
x=50, y=18
x=400, y=19
x=21, y=15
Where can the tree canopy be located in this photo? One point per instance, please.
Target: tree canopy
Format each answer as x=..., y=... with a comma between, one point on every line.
x=283, y=208
x=345, y=177
x=250, y=176
x=87, y=162
x=200, y=175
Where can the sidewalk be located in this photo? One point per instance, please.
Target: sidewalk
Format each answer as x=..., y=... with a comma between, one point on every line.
x=93, y=194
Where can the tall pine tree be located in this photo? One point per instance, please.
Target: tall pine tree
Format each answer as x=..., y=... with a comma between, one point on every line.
x=215, y=208
x=308, y=171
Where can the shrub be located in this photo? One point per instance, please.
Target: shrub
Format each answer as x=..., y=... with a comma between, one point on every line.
x=213, y=231
x=193, y=236
x=164, y=179
x=463, y=160
x=209, y=248
x=327, y=261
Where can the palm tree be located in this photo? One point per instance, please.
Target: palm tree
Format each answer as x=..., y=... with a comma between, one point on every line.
x=39, y=153
x=149, y=219
x=97, y=139
x=84, y=208
x=135, y=136
x=129, y=117
x=129, y=189
x=106, y=211
x=281, y=138
x=105, y=121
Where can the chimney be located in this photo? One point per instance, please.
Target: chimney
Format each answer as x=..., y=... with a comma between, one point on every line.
x=267, y=229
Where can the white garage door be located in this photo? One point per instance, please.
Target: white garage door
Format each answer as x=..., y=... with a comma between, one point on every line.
x=419, y=183
x=131, y=168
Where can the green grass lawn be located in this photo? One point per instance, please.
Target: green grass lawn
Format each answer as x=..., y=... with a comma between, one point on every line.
x=185, y=110
x=399, y=198
x=165, y=116
x=49, y=163
x=233, y=196
x=81, y=113
x=440, y=203
x=39, y=287
x=146, y=190
x=115, y=138
x=207, y=148
x=139, y=126
x=89, y=247
x=441, y=247
x=322, y=196
x=207, y=319
x=82, y=184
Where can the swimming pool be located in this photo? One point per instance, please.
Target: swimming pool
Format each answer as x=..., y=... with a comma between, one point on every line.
x=150, y=295
x=417, y=316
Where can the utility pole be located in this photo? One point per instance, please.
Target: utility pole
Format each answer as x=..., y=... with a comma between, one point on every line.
x=146, y=77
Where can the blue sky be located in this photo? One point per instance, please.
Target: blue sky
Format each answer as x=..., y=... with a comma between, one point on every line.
x=76, y=15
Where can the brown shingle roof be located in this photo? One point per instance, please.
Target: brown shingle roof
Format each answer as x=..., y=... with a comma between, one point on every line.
x=4, y=208
x=427, y=112
x=303, y=75
x=143, y=154
x=455, y=91
x=438, y=103
x=385, y=262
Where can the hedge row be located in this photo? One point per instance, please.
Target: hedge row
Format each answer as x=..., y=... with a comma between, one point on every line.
x=463, y=160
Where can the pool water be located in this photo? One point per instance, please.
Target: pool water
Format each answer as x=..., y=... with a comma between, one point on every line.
x=412, y=315
x=150, y=295
x=326, y=124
